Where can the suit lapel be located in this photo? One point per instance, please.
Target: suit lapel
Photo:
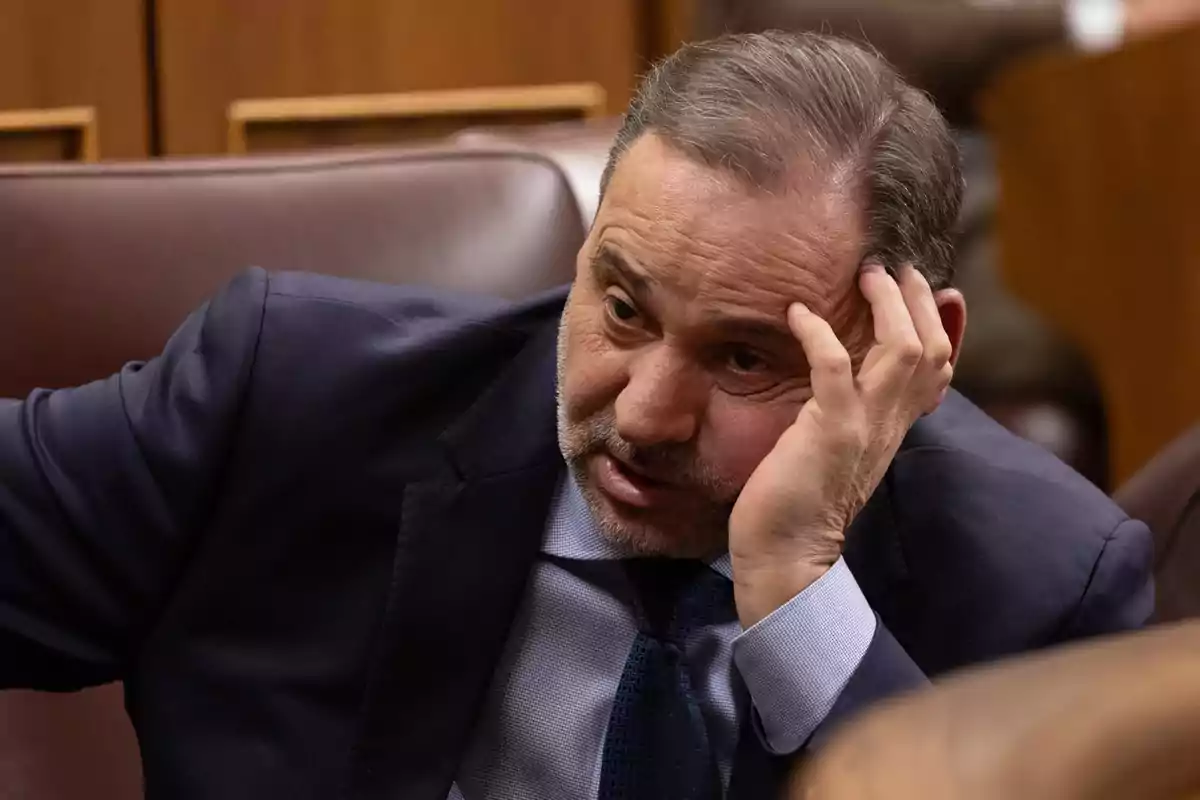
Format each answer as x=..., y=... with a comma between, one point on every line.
x=469, y=536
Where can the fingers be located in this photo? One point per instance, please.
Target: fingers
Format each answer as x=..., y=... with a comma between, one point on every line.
x=909, y=367
x=893, y=320
x=933, y=374
x=927, y=322
x=832, y=372
x=913, y=353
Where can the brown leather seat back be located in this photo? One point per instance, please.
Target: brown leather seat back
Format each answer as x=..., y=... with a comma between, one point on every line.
x=1165, y=494
x=580, y=149
x=100, y=263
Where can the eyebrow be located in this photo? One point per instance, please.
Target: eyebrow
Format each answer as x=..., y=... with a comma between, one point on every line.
x=756, y=329
x=609, y=263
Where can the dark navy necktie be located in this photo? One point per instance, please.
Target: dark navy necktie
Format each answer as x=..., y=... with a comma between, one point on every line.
x=657, y=745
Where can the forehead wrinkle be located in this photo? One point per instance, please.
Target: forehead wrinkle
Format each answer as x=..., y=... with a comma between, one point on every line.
x=764, y=281
x=785, y=264
x=670, y=253
x=702, y=233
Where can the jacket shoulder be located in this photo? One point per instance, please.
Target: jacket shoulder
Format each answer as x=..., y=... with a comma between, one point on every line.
x=962, y=444
x=366, y=324
x=343, y=361
x=292, y=293
x=999, y=539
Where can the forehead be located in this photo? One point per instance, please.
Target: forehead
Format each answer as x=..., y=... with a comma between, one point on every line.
x=699, y=233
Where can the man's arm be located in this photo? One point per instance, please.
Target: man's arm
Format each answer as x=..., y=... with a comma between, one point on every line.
x=1120, y=594
x=817, y=660
x=104, y=489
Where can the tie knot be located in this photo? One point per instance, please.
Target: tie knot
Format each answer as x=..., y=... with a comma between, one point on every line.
x=676, y=596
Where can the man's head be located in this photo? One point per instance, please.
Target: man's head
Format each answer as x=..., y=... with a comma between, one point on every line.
x=751, y=172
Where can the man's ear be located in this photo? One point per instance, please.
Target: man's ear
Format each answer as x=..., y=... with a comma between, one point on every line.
x=952, y=308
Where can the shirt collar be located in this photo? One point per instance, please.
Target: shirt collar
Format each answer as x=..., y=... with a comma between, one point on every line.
x=572, y=532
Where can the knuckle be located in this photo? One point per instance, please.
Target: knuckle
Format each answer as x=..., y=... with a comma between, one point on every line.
x=932, y=397
x=835, y=362
x=851, y=437
x=910, y=352
x=938, y=357
x=945, y=375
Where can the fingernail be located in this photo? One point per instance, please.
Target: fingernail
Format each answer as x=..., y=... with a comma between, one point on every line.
x=873, y=266
x=800, y=308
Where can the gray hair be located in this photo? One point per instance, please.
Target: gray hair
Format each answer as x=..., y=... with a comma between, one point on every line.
x=758, y=105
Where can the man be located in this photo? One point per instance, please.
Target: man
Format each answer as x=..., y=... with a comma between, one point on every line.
x=329, y=541
x=953, y=48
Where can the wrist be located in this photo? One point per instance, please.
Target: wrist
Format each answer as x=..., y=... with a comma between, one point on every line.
x=760, y=589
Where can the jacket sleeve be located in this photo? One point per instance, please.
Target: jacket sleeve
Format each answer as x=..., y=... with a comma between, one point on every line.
x=884, y=671
x=950, y=48
x=104, y=490
x=1119, y=596
x=1120, y=593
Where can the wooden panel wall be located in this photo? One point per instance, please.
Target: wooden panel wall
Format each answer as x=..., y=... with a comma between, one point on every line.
x=1099, y=169
x=213, y=52
x=63, y=53
x=673, y=22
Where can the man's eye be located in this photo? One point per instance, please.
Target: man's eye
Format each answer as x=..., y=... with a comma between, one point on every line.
x=620, y=310
x=745, y=371
x=743, y=359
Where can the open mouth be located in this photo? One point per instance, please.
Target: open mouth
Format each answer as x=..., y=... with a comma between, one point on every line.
x=637, y=474
x=627, y=484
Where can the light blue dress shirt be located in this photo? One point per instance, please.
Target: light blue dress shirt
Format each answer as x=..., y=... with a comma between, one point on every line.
x=541, y=731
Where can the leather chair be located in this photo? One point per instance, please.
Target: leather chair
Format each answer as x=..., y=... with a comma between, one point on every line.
x=580, y=149
x=1165, y=494
x=101, y=263
x=1111, y=719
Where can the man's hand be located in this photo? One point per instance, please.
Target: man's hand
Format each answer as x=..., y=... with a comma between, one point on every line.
x=788, y=526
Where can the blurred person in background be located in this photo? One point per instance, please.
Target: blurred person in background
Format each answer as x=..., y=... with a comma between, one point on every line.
x=649, y=538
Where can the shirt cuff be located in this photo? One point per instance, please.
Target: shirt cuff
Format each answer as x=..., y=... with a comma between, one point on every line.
x=1095, y=24
x=797, y=660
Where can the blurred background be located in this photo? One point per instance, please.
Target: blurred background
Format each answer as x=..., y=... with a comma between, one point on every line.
x=149, y=149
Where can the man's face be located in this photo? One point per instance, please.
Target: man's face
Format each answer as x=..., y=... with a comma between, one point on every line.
x=677, y=371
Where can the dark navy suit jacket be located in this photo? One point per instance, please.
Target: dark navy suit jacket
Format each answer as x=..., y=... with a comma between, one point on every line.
x=300, y=535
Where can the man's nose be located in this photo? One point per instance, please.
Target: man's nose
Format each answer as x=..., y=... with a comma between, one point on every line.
x=662, y=402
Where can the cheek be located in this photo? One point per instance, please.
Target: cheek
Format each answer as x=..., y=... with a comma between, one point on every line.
x=592, y=370
x=739, y=434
